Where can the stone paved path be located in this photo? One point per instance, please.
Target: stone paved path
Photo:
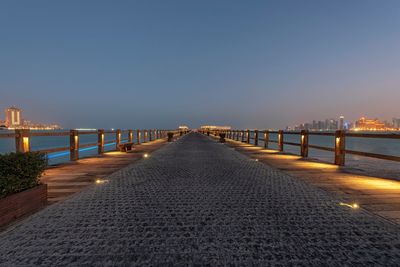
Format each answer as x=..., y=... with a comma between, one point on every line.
x=197, y=202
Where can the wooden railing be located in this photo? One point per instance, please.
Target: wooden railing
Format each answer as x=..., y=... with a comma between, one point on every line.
x=339, y=149
x=23, y=139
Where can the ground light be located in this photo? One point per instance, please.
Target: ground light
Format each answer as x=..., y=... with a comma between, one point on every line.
x=353, y=205
x=146, y=155
x=101, y=181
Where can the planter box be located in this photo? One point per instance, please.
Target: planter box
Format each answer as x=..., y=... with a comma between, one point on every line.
x=22, y=203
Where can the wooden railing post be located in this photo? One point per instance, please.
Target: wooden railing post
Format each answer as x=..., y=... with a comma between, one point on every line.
x=117, y=139
x=256, y=137
x=150, y=135
x=237, y=135
x=266, y=139
x=138, y=136
x=100, y=141
x=248, y=136
x=130, y=136
x=22, y=140
x=73, y=145
x=304, y=143
x=145, y=136
x=280, y=140
x=340, y=147
x=242, y=135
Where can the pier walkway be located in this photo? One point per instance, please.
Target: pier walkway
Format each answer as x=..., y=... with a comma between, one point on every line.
x=198, y=202
x=69, y=178
x=374, y=193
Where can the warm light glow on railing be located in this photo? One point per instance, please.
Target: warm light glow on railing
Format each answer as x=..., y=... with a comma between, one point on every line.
x=76, y=139
x=25, y=141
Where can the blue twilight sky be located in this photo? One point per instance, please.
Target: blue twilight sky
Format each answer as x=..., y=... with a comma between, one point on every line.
x=253, y=64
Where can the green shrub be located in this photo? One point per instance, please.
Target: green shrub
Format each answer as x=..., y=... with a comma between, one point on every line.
x=20, y=171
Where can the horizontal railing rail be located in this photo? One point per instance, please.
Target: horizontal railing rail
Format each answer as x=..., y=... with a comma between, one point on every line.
x=339, y=140
x=23, y=139
x=48, y=134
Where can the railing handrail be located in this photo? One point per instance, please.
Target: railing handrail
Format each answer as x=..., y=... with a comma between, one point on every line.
x=23, y=139
x=246, y=135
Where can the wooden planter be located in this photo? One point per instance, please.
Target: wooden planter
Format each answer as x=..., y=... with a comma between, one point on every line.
x=22, y=203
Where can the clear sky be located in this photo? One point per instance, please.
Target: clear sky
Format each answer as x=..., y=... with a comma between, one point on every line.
x=250, y=64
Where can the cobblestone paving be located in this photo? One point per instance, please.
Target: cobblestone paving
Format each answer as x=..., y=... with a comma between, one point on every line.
x=198, y=202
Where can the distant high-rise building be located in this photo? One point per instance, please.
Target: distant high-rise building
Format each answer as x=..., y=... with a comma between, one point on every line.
x=314, y=125
x=396, y=123
x=341, y=123
x=321, y=125
x=13, y=117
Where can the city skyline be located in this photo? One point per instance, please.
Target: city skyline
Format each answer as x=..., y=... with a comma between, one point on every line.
x=259, y=64
x=361, y=124
x=316, y=124
x=14, y=119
